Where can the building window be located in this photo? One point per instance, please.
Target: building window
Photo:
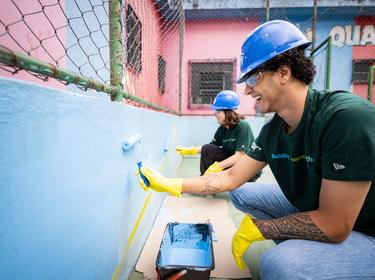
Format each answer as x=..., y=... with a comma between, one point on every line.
x=207, y=79
x=133, y=40
x=161, y=74
x=360, y=70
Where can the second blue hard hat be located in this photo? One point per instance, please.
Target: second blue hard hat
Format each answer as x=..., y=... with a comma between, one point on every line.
x=267, y=41
x=226, y=100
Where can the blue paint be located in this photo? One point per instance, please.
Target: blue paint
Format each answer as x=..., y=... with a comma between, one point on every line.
x=129, y=143
x=69, y=198
x=145, y=180
x=166, y=144
x=214, y=236
x=186, y=245
x=68, y=194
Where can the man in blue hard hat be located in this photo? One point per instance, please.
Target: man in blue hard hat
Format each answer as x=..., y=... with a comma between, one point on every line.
x=231, y=140
x=320, y=147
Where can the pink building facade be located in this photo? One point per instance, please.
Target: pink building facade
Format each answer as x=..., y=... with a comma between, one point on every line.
x=34, y=34
x=366, y=52
x=214, y=42
x=75, y=36
x=159, y=46
x=179, y=62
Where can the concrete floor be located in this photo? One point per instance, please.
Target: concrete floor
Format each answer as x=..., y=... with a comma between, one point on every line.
x=189, y=168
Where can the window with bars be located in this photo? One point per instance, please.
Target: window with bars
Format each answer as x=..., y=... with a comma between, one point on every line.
x=161, y=74
x=360, y=70
x=133, y=40
x=207, y=79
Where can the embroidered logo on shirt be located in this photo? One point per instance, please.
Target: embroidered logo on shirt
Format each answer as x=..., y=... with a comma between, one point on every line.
x=255, y=147
x=308, y=159
x=229, y=140
x=338, y=166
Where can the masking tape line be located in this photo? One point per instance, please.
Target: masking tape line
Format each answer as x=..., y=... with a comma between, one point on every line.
x=118, y=268
x=126, y=249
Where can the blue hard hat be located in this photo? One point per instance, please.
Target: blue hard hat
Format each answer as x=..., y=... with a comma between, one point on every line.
x=226, y=100
x=267, y=41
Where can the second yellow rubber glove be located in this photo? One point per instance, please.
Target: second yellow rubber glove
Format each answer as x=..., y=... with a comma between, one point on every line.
x=159, y=183
x=186, y=151
x=246, y=234
x=213, y=168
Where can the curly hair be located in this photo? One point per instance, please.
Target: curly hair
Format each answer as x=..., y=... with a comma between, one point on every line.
x=232, y=118
x=301, y=66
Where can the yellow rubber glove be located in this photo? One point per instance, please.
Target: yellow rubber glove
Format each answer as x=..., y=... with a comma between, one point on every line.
x=186, y=151
x=213, y=168
x=246, y=234
x=159, y=183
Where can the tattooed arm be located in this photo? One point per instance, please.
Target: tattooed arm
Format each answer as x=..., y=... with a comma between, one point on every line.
x=227, y=180
x=295, y=226
x=339, y=205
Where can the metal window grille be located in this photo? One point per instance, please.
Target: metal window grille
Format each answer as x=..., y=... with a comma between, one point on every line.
x=207, y=79
x=161, y=74
x=360, y=70
x=133, y=39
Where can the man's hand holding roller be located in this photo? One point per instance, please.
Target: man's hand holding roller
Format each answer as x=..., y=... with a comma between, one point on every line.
x=159, y=183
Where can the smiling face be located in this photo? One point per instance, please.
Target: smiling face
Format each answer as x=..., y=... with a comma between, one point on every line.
x=267, y=91
x=282, y=76
x=263, y=91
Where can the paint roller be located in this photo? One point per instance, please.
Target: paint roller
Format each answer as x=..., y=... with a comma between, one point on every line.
x=127, y=145
x=166, y=144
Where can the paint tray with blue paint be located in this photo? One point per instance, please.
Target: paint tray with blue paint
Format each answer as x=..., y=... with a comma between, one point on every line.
x=185, y=252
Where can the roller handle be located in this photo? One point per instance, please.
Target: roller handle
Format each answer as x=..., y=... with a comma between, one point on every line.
x=145, y=180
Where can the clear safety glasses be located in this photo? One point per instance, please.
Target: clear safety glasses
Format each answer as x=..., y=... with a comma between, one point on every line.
x=253, y=79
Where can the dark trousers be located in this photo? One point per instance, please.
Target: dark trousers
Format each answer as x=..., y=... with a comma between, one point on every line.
x=211, y=153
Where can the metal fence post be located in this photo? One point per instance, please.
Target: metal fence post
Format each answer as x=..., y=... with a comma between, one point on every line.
x=328, y=64
x=370, y=82
x=115, y=48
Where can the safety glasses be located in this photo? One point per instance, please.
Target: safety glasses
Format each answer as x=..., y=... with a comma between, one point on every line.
x=253, y=79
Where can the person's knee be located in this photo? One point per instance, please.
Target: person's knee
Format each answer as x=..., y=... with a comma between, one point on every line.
x=242, y=197
x=235, y=198
x=274, y=266
x=284, y=262
x=254, y=253
x=207, y=148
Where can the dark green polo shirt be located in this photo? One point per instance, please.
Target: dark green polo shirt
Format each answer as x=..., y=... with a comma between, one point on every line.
x=238, y=138
x=335, y=140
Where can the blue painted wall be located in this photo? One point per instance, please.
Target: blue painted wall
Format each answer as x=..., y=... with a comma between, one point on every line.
x=341, y=59
x=69, y=199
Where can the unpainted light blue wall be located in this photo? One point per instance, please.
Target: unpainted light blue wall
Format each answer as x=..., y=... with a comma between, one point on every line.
x=200, y=130
x=69, y=199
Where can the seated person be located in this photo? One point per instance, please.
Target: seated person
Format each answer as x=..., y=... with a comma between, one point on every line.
x=231, y=140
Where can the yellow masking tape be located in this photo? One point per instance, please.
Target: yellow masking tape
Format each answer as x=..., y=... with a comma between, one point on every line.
x=125, y=252
x=117, y=270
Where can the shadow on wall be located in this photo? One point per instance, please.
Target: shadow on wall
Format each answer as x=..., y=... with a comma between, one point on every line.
x=70, y=203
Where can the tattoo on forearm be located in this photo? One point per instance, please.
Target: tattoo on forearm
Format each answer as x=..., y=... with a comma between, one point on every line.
x=213, y=184
x=295, y=226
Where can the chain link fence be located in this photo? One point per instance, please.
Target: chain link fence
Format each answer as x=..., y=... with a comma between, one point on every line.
x=102, y=44
x=174, y=55
x=343, y=64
